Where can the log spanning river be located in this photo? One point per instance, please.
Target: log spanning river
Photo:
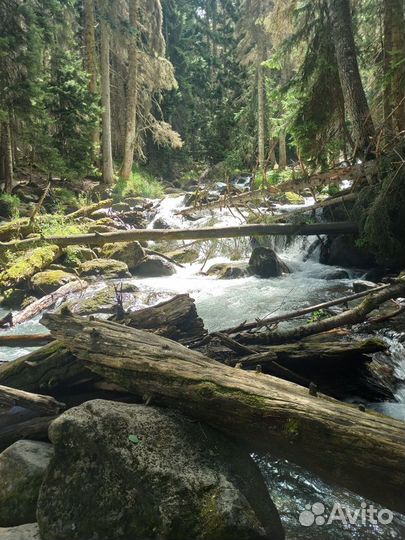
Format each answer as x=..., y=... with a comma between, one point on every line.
x=225, y=303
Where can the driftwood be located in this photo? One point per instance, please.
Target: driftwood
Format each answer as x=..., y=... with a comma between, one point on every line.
x=48, y=301
x=35, y=429
x=24, y=340
x=176, y=319
x=275, y=229
x=88, y=210
x=275, y=319
x=363, y=451
x=352, y=316
x=45, y=405
x=45, y=370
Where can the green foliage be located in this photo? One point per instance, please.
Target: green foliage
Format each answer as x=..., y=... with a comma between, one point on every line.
x=9, y=206
x=319, y=315
x=141, y=183
x=58, y=225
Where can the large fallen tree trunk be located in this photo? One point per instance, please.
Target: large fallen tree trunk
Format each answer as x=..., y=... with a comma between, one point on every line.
x=362, y=451
x=229, y=200
x=276, y=229
x=45, y=405
x=175, y=319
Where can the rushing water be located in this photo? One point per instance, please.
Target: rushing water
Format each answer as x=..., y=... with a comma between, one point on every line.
x=225, y=303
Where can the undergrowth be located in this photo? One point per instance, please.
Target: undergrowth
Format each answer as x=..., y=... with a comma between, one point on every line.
x=141, y=183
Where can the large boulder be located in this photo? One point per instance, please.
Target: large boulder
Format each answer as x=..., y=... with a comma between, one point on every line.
x=265, y=263
x=73, y=256
x=229, y=270
x=154, y=266
x=22, y=469
x=30, y=531
x=344, y=251
x=108, y=268
x=50, y=280
x=131, y=253
x=133, y=472
x=104, y=300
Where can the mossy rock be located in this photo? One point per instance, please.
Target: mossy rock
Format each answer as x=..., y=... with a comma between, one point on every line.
x=108, y=268
x=73, y=256
x=13, y=298
x=131, y=253
x=22, y=470
x=105, y=300
x=184, y=255
x=229, y=270
x=50, y=280
x=292, y=198
x=169, y=477
x=28, y=265
x=154, y=266
x=121, y=207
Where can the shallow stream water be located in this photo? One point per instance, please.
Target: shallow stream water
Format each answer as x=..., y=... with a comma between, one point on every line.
x=225, y=303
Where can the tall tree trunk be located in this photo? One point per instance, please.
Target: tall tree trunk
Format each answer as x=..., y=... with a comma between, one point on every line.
x=132, y=94
x=349, y=74
x=7, y=150
x=398, y=54
x=261, y=116
x=108, y=173
x=282, y=145
x=91, y=56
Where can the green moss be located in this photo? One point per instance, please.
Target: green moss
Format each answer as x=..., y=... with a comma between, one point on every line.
x=291, y=429
x=9, y=205
x=141, y=183
x=28, y=264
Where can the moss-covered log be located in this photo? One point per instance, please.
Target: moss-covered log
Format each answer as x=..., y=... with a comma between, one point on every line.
x=363, y=451
x=14, y=229
x=88, y=210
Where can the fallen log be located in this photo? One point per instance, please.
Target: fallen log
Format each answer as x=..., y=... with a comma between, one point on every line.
x=275, y=229
x=46, y=369
x=88, y=210
x=34, y=429
x=275, y=319
x=176, y=319
x=352, y=316
x=45, y=405
x=25, y=340
x=362, y=451
x=15, y=228
x=229, y=200
x=48, y=301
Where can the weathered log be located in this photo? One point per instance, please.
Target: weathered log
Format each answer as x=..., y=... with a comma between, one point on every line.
x=229, y=200
x=332, y=201
x=25, y=340
x=352, y=316
x=363, y=451
x=39, y=204
x=46, y=369
x=88, y=210
x=35, y=429
x=48, y=301
x=176, y=319
x=275, y=229
x=275, y=319
x=15, y=228
x=45, y=405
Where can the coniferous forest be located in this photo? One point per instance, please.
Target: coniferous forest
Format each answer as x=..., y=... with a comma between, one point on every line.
x=202, y=269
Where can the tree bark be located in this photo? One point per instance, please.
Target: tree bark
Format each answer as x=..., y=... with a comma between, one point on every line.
x=261, y=117
x=132, y=93
x=108, y=173
x=45, y=405
x=349, y=74
x=282, y=159
x=362, y=451
x=276, y=229
x=8, y=156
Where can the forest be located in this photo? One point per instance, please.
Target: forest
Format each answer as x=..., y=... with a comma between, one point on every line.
x=202, y=269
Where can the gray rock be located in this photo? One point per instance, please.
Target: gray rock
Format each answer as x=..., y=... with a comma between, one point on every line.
x=265, y=263
x=104, y=300
x=134, y=472
x=22, y=469
x=363, y=285
x=229, y=270
x=131, y=253
x=121, y=207
x=154, y=266
x=29, y=531
x=108, y=268
x=335, y=274
x=343, y=251
x=160, y=223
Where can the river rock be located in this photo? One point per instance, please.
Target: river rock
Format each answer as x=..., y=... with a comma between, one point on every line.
x=108, y=268
x=229, y=270
x=265, y=263
x=22, y=469
x=73, y=256
x=124, y=471
x=29, y=531
x=50, y=280
x=130, y=253
x=154, y=266
x=160, y=223
x=184, y=255
x=363, y=285
x=104, y=300
x=335, y=274
x=343, y=251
